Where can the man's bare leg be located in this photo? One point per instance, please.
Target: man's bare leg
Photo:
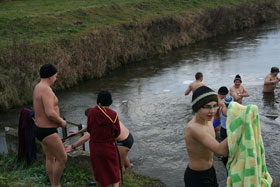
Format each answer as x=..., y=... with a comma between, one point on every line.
x=50, y=160
x=55, y=148
x=124, y=156
x=127, y=162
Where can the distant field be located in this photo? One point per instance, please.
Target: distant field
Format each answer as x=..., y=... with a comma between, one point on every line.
x=48, y=20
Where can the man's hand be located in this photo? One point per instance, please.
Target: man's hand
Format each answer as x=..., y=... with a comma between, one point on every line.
x=63, y=123
x=68, y=148
x=73, y=132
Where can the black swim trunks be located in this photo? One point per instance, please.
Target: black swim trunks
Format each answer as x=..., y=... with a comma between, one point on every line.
x=205, y=178
x=128, y=142
x=41, y=133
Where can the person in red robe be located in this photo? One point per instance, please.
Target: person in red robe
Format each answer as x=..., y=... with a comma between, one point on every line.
x=103, y=127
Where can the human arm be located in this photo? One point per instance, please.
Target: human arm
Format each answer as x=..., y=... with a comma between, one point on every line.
x=234, y=94
x=50, y=108
x=208, y=141
x=188, y=91
x=268, y=80
x=117, y=128
x=81, y=141
x=80, y=131
x=244, y=93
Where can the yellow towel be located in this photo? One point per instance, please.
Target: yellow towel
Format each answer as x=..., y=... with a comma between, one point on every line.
x=246, y=164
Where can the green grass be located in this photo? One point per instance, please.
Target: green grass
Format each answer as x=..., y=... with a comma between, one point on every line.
x=14, y=173
x=49, y=20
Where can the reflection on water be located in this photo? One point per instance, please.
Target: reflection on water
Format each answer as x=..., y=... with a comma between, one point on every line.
x=149, y=98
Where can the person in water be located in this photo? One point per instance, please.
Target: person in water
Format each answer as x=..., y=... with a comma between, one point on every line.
x=47, y=120
x=195, y=84
x=222, y=93
x=104, y=127
x=223, y=113
x=271, y=80
x=200, y=140
x=237, y=91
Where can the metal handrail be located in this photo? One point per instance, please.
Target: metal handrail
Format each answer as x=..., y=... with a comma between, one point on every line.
x=65, y=136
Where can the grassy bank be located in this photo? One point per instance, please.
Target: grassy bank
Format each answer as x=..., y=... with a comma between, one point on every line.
x=46, y=21
x=86, y=39
x=14, y=173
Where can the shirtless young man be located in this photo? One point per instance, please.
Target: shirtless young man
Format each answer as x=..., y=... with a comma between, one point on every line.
x=237, y=91
x=195, y=84
x=200, y=140
x=271, y=80
x=124, y=142
x=222, y=93
x=47, y=120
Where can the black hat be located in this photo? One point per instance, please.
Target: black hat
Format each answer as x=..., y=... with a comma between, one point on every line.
x=47, y=70
x=223, y=90
x=237, y=78
x=202, y=96
x=104, y=98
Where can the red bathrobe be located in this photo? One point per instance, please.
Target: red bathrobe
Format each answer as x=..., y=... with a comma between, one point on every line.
x=103, y=126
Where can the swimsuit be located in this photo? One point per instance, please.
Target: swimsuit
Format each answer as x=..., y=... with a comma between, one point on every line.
x=206, y=178
x=128, y=142
x=216, y=123
x=41, y=133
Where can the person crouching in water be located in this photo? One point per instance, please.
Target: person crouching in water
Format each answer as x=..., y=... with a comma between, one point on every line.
x=103, y=127
x=200, y=140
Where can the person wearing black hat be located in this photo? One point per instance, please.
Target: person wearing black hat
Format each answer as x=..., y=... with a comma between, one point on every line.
x=47, y=120
x=200, y=140
x=222, y=93
x=237, y=91
x=271, y=80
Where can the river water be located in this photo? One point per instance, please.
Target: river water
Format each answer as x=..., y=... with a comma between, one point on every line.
x=149, y=98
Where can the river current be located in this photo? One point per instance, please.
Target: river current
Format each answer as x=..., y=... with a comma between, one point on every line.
x=149, y=98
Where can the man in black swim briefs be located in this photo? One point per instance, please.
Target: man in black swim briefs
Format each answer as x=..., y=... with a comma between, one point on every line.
x=41, y=133
x=47, y=120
